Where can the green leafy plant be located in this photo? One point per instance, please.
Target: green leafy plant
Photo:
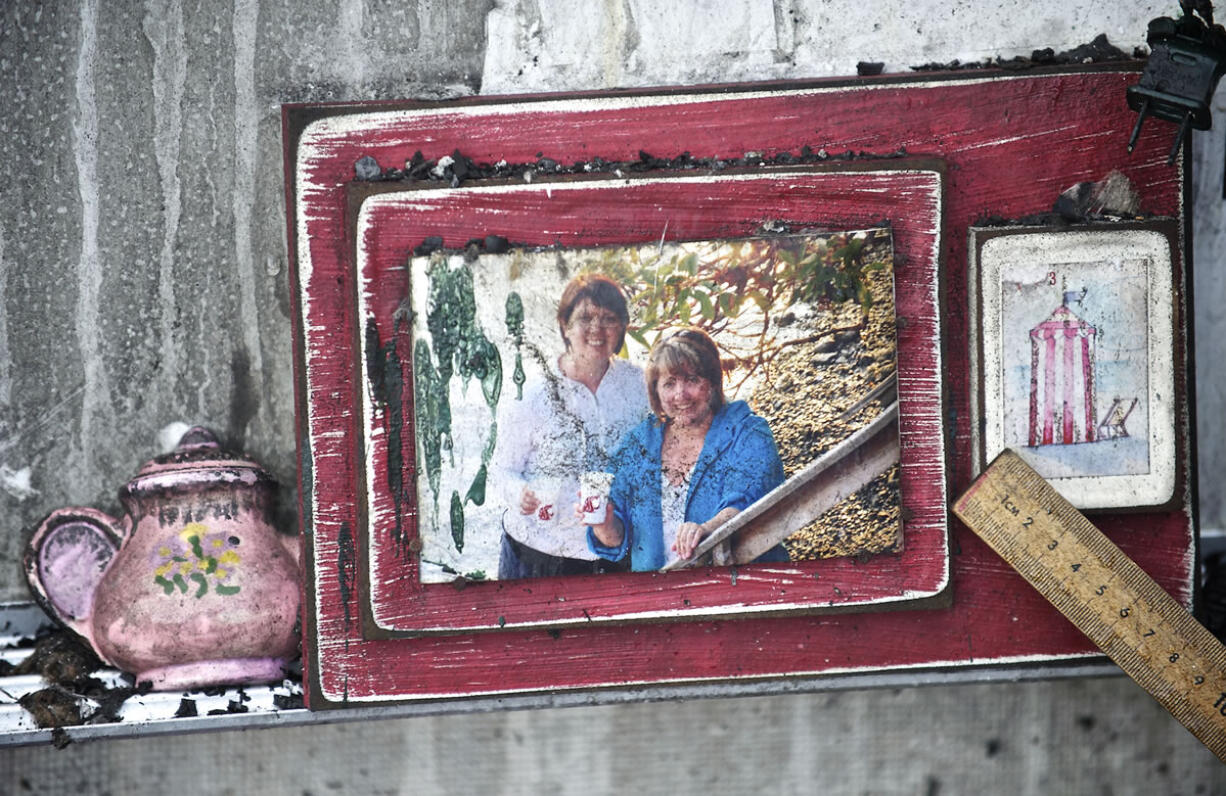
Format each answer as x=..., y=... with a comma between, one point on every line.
x=741, y=292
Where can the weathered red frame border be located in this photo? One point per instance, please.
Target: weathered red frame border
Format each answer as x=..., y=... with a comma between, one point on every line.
x=1013, y=141
x=610, y=210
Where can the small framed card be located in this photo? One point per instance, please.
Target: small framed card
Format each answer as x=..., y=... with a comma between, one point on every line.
x=1075, y=357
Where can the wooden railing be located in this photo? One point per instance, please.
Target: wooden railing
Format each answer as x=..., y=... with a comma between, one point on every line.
x=804, y=497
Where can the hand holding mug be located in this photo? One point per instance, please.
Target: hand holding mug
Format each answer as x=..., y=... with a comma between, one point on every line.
x=609, y=532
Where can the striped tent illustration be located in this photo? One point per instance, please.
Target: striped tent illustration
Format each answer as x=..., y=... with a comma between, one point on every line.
x=1062, y=350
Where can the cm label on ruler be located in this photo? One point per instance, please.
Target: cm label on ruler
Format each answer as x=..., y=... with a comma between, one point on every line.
x=1103, y=592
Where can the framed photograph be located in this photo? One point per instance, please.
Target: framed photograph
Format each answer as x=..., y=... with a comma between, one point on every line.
x=805, y=328
x=1076, y=361
x=685, y=165
x=511, y=438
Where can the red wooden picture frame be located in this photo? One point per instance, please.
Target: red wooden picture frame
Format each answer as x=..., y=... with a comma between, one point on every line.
x=1012, y=142
x=606, y=211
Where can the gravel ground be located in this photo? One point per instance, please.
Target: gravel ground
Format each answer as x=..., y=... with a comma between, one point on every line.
x=809, y=387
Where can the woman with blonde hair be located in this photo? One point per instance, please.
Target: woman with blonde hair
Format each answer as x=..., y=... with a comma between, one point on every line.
x=691, y=467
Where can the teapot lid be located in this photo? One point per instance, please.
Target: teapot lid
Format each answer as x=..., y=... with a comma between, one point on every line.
x=198, y=460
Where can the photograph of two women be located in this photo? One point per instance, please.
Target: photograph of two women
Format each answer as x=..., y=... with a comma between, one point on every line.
x=599, y=410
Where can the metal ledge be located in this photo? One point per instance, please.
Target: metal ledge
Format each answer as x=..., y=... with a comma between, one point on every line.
x=153, y=713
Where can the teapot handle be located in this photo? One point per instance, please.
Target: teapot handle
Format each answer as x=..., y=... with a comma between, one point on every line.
x=65, y=561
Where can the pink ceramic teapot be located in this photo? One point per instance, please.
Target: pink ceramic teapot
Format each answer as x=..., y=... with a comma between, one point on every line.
x=192, y=587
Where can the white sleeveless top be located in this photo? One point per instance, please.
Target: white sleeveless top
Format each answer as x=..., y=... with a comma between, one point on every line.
x=672, y=512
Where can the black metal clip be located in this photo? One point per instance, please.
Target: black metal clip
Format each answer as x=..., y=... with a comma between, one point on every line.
x=1187, y=58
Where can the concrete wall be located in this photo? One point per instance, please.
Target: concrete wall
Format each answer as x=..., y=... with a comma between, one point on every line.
x=143, y=272
x=1097, y=738
x=143, y=284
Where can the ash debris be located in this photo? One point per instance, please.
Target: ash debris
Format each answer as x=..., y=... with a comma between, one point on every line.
x=73, y=696
x=1100, y=50
x=77, y=694
x=457, y=168
x=1113, y=198
x=452, y=170
x=59, y=658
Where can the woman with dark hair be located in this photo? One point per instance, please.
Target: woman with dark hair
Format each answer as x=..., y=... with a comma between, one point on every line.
x=693, y=466
x=567, y=424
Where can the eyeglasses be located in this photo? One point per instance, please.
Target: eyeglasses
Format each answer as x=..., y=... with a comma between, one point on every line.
x=607, y=321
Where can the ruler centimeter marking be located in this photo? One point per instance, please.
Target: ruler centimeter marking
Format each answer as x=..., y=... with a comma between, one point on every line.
x=1103, y=592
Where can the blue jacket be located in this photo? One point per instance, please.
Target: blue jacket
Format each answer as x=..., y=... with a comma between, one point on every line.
x=739, y=463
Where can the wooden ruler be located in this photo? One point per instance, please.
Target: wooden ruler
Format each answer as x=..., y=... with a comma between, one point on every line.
x=1103, y=592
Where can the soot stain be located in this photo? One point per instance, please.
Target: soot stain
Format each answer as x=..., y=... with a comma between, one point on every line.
x=386, y=374
x=244, y=398
x=347, y=568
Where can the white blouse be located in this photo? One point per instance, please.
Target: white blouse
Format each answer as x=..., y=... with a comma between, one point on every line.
x=559, y=430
